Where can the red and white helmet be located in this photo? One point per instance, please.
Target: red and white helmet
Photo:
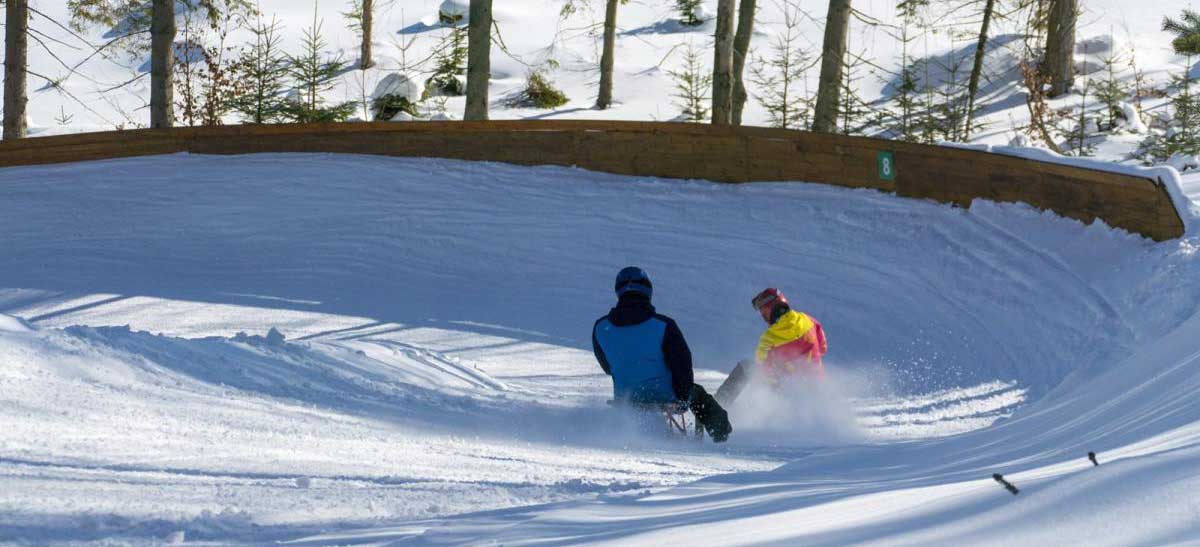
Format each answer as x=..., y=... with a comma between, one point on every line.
x=767, y=300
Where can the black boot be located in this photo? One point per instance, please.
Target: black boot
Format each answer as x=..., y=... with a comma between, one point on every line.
x=710, y=415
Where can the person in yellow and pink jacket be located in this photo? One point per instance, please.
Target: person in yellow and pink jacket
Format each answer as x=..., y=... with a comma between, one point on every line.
x=790, y=349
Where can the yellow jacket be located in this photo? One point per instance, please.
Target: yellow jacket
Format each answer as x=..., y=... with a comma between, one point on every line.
x=793, y=342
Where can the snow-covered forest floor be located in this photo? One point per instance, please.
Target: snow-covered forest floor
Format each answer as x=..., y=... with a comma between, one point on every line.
x=77, y=89
x=429, y=377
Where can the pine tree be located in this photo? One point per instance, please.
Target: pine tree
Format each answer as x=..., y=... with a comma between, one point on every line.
x=912, y=108
x=1081, y=128
x=1184, y=133
x=1110, y=91
x=780, y=77
x=314, y=74
x=908, y=118
x=853, y=111
x=264, y=71
x=450, y=62
x=691, y=84
x=952, y=101
x=1187, y=32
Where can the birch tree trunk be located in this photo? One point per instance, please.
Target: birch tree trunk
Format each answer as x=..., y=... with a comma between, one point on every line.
x=604, y=96
x=479, y=59
x=16, y=57
x=833, y=56
x=741, y=48
x=977, y=69
x=1059, y=63
x=162, y=61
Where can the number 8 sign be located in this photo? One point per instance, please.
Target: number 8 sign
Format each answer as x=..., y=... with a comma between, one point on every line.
x=887, y=166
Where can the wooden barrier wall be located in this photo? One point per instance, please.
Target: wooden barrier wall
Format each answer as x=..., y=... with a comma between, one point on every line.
x=673, y=150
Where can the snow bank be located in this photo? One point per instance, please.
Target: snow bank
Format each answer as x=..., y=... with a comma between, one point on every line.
x=404, y=85
x=454, y=11
x=436, y=256
x=9, y=323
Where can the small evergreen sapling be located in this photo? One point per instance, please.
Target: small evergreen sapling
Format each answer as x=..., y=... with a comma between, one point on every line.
x=450, y=63
x=907, y=93
x=854, y=112
x=264, y=70
x=314, y=75
x=1183, y=135
x=539, y=92
x=1111, y=91
x=781, y=78
x=1082, y=127
x=688, y=15
x=692, y=84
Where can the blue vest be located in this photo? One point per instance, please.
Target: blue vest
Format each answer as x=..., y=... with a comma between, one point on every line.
x=635, y=357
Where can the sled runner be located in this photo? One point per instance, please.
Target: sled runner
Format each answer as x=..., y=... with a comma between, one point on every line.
x=670, y=420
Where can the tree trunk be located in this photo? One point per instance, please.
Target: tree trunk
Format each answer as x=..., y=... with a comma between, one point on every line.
x=722, y=81
x=1059, y=62
x=741, y=48
x=977, y=69
x=368, y=13
x=833, y=56
x=16, y=53
x=604, y=96
x=162, y=61
x=479, y=59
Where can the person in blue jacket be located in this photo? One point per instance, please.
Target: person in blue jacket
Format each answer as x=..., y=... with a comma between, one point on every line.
x=648, y=358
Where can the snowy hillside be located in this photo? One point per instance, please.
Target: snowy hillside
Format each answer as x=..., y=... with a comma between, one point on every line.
x=110, y=89
x=335, y=349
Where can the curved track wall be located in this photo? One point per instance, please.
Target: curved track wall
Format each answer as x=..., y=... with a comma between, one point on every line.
x=673, y=150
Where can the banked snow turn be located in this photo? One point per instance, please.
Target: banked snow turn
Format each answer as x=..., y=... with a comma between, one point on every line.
x=429, y=360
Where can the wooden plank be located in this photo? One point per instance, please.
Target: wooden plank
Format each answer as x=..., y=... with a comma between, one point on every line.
x=676, y=150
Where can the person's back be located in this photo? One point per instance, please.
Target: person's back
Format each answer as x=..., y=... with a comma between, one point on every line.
x=648, y=358
x=643, y=351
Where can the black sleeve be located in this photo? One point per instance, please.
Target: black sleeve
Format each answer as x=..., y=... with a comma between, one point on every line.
x=599, y=351
x=679, y=360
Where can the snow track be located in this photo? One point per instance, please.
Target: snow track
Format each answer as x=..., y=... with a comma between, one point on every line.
x=431, y=355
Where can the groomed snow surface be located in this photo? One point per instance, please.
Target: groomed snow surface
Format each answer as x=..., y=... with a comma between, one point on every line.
x=337, y=349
